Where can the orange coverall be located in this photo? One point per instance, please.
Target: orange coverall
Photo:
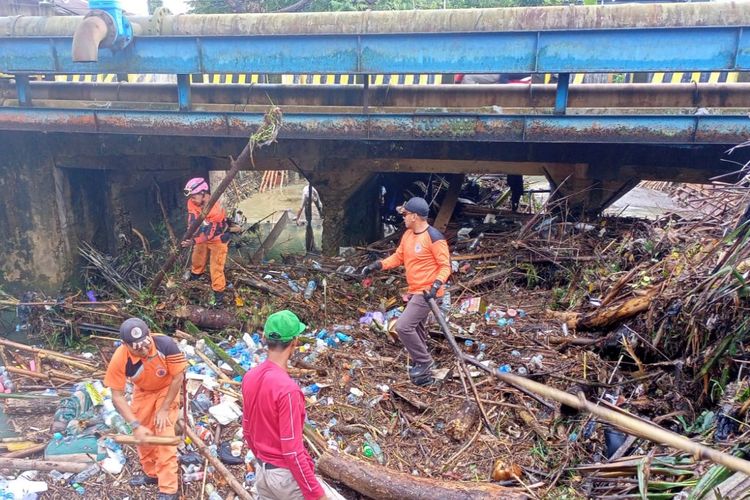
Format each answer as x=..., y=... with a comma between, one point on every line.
x=212, y=239
x=151, y=377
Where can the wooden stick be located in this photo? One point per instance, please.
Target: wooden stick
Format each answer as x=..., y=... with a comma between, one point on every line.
x=165, y=215
x=238, y=487
x=62, y=358
x=40, y=376
x=148, y=440
x=462, y=364
x=622, y=420
x=25, y=453
x=219, y=372
x=24, y=464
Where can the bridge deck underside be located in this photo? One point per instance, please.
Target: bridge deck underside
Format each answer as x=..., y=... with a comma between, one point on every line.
x=683, y=163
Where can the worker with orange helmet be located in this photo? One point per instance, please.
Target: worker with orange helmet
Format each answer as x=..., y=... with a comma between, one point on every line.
x=212, y=239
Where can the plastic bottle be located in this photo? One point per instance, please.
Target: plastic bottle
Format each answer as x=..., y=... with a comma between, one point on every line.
x=343, y=337
x=193, y=476
x=79, y=489
x=367, y=450
x=87, y=473
x=215, y=496
x=475, y=244
x=310, y=389
x=375, y=447
x=249, y=467
x=309, y=289
x=113, y=418
x=445, y=306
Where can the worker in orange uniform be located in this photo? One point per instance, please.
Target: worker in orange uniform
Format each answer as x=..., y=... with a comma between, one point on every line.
x=156, y=367
x=424, y=254
x=212, y=237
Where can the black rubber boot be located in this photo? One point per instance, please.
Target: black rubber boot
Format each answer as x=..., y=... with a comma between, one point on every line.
x=421, y=373
x=167, y=496
x=218, y=299
x=194, y=277
x=142, y=480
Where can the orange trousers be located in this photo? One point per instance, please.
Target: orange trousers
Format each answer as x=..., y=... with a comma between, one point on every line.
x=157, y=461
x=218, y=252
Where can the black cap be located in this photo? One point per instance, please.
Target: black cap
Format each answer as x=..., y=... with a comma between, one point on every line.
x=417, y=206
x=133, y=331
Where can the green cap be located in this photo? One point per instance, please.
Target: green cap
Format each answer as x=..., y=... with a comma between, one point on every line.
x=284, y=326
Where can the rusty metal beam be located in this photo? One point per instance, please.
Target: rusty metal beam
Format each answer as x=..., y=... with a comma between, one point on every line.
x=679, y=95
x=648, y=129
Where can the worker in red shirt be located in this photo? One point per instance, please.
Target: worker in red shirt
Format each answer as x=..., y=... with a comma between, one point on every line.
x=273, y=414
x=424, y=254
x=156, y=367
x=211, y=239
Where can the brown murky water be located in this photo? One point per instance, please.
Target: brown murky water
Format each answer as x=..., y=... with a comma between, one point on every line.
x=268, y=207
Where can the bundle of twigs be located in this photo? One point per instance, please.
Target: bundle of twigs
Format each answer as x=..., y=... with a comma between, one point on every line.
x=106, y=270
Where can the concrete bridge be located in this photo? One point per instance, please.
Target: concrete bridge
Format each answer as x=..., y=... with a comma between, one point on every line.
x=81, y=159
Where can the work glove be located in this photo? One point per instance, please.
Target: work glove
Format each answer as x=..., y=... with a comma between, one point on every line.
x=375, y=266
x=432, y=292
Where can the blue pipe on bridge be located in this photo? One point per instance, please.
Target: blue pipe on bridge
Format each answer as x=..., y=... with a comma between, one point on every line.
x=629, y=50
x=653, y=129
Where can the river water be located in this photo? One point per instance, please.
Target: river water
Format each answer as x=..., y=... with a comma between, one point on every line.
x=268, y=207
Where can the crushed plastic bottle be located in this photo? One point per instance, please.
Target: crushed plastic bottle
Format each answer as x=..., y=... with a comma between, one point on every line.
x=113, y=418
x=377, y=453
x=475, y=244
x=249, y=467
x=192, y=476
x=310, y=289
x=343, y=337
x=445, y=305
x=311, y=389
x=87, y=473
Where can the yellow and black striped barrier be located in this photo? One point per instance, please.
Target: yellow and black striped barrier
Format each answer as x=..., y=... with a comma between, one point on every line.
x=403, y=79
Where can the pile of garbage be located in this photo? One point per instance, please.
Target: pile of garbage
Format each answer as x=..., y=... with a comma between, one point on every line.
x=644, y=319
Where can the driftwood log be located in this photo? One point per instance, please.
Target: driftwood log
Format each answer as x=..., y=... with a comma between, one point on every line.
x=606, y=316
x=202, y=317
x=376, y=481
x=463, y=421
x=30, y=406
x=24, y=464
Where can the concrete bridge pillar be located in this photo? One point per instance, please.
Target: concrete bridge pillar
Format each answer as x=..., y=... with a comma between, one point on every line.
x=587, y=189
x=350, y=204
x=35, y=216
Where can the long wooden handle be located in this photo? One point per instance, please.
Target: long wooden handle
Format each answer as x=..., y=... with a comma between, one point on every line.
x=148, y=440
x=621, y=420
x=238, y=487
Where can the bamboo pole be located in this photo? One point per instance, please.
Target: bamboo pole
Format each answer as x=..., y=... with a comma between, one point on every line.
x=40, y=376
x=622, y=420
x=238, y=487
x=219, y=372
x=266, y=134
x=221, y=353
x=44, y=353
x=148, y=440
x=462, y=363
x=26, y=452
x=25, y=464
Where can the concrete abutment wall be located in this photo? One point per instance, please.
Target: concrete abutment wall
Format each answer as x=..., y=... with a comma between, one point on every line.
x=48, y=208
